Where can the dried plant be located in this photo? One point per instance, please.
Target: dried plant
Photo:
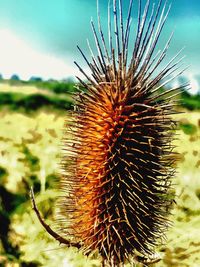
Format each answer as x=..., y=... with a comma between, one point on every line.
x=119, y=162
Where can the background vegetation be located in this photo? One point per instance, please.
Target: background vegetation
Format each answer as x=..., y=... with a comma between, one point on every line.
x=32, y=117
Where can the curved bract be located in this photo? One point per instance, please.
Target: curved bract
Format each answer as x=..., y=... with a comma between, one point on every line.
x=119, y=161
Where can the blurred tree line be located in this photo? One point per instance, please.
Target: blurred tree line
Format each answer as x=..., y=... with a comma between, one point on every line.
x=58, y=94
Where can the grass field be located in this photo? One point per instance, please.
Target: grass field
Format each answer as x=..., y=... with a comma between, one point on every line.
x=30, y=149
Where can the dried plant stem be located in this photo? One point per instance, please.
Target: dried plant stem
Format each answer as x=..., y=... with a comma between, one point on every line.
x=49, y=230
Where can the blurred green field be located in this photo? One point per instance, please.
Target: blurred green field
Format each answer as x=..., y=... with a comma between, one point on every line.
x=30, y=149
x=28, y=97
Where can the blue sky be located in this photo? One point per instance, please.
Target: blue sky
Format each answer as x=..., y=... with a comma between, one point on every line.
x=49, y=30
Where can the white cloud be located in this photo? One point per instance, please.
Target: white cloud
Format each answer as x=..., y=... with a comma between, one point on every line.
x=193, y=84
x=17, y=56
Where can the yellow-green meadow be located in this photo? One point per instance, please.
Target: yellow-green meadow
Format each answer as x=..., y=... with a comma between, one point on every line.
x=30, y=153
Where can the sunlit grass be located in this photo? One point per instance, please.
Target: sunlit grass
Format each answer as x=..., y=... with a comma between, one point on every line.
x=27, y=89
x=30, y=148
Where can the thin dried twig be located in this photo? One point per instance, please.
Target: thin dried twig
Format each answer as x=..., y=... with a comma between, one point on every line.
x=49, y=230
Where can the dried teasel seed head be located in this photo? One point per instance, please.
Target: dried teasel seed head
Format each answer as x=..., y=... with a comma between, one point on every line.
x=118, y=159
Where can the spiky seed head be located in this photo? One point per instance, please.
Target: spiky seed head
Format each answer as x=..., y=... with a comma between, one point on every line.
x=118, y=163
